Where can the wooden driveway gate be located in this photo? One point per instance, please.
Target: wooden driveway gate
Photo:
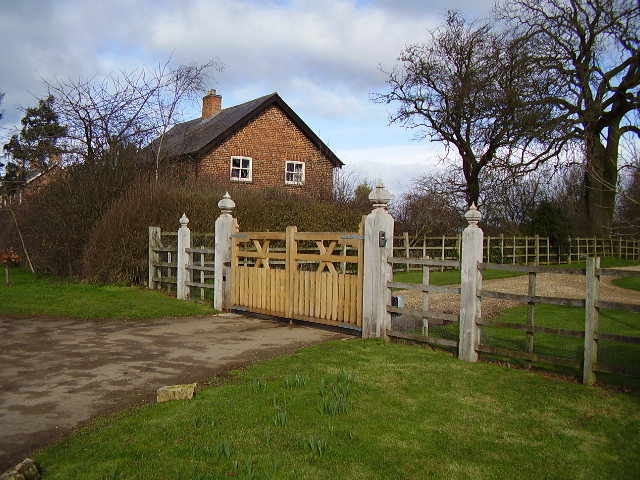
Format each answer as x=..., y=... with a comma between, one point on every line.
x=310, y=276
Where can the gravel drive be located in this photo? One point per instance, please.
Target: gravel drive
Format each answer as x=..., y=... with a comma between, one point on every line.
x=547, y=284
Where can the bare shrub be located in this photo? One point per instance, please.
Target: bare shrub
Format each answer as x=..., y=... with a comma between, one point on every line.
x=57, y=219
x=117, y=247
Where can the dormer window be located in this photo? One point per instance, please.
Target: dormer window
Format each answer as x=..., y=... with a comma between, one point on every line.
x=294, y=173
x=241, y=169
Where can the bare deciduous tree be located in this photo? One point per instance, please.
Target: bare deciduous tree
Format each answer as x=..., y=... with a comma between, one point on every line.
x=592, y=48
x=627, y=217
x=474, y=89
x=428, y=209
x=125, y=108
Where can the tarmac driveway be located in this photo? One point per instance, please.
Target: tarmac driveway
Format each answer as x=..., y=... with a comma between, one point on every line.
x=56, y=374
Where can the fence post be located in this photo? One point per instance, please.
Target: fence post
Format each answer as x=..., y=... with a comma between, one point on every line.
x=488, y=250
x=425, y=299
x=619, y=247
x=472, y=242
x=378, y=248
x=182, y=259
x=592, y=313
x=549, y=252
x=222, y=254
x=154, y=257
x=407, y=251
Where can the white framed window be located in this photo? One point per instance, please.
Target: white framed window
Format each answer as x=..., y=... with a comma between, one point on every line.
x=241, y=169
x=294, y=173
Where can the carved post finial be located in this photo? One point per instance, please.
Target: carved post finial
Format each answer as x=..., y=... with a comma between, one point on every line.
x=226, y=205
x=380, y=196
x=473, y=215
x=183, y=220
x=224, y=228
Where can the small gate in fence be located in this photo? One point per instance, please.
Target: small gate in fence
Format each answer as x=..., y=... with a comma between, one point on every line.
x=309, y=276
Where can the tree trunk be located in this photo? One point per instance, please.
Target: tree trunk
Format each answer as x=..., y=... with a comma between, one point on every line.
x=471, y=173
x=601, y=178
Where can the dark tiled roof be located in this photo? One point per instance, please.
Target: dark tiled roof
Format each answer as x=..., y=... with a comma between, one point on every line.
x=196, y=137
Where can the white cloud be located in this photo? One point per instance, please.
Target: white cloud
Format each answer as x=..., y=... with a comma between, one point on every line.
x=333, y=44
x=322, y=56
x=396, y=166
x=330, y=47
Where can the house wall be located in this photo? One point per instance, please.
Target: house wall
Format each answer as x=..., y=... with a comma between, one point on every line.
x=270, y=140
x=31, y=187
x=42, y=180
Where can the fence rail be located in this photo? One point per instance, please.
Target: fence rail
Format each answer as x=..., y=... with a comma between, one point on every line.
x=517, y=250
x=163, y=263
x=424, y=325
x=591, y=357
x=604, y=341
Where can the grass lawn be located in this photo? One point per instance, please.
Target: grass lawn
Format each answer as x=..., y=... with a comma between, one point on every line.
x=448, y=277
x=362, y=409
x=604, y=263
x=610, y=353
x=627, y=282
x=452, y=277
x=27, y=295
x=572, y=318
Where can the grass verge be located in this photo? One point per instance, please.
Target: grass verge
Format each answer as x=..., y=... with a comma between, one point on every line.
x=26, y=295
x=449, y=277
x=627, y=282
x=604, y=263
x=452, y=277
x=611, y=354
x=363, y=409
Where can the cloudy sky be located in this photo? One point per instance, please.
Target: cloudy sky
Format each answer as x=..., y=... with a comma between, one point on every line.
x=322, y=56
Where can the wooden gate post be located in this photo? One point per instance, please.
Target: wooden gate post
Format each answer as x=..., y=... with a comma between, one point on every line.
x=154, y=257
x=222, y=254
x=378, y=247
x=591, y=327
x=183, y=273
x=472, y=242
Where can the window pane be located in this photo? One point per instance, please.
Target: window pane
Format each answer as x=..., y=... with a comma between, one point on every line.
x=236, y=162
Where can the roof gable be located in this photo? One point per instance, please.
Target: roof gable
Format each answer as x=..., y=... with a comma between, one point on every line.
x=199, y=136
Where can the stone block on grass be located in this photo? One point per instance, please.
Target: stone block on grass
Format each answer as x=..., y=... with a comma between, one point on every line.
x=25, y=470
x=176, y=392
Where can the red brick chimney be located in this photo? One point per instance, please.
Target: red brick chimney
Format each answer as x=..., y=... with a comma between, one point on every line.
x=211, y=104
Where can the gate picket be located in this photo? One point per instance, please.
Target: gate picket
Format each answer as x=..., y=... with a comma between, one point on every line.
x=295, y=283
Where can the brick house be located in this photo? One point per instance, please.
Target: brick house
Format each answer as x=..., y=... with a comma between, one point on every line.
x=260, y=143
x=34, y=183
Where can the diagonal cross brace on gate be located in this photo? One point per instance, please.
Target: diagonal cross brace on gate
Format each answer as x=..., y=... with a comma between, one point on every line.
x=310, y=276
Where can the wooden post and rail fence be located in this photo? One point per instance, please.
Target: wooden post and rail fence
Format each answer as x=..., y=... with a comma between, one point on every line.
x=345, y=279
x=507, y=249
